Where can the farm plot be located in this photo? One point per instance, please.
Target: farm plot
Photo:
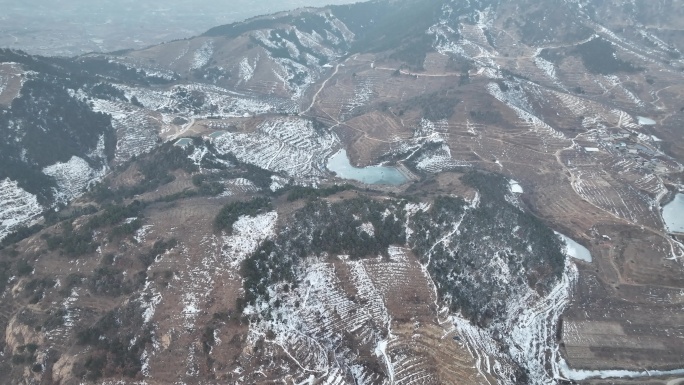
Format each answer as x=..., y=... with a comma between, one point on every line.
x=289, y=145
x=136, y=130
x=623, y=201
x=385, y=306
x=431, y=141
x=201, y=281
x=517, y=100
x=363, y=92
x=11, y=82
x=574, y=114
x=334, y=97
x=624, y=335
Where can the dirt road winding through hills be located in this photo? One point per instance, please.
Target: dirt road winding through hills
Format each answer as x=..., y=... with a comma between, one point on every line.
x=315, y=97
x=183, y=130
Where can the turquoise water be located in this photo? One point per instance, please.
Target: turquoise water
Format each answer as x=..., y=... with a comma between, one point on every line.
x=183, y=142
x=673, y=214
x=339, y=164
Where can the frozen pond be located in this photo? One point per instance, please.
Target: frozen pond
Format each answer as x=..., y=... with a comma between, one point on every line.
x=646, y=121
x=574, y=249
x=339, y=164
x=515, y=187
x=216, y=134
x=673, y=214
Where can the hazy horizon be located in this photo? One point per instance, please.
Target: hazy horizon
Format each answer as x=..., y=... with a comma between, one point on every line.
x=72, y=27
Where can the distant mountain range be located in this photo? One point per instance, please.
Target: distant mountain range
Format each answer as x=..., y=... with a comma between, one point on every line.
x=75, y=27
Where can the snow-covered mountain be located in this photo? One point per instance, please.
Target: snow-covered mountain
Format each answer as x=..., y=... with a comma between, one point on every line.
x=216, y=245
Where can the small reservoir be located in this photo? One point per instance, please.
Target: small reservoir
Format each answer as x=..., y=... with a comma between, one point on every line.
x=673, y=214
x=644, y=121
x=216, y=134
x=515, y=187
x=339, y=164
x=574, y=249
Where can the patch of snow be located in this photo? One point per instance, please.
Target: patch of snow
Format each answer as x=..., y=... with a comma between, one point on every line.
x=277, y=183
x=288, y=145
x=295, y=77
x=238, y=186
x=516, y=99
x=73, y=178
x=145, y=368
x=183, y=52
x=247, y=70
x=367, y=228
x=149, y=299
x=339, y=27
x=70, y=318
x=3, y=83
x=191, y=307
x=411, y=209
x=314, y=43
x=143, y=67
x=582, y=375
x=439, y=160
x=175, y=101
x=141, y=233
x=515, y=187
x=381, y=352
x=363, y=91
x=531, y=326
x=99, y=150
x=248, y=234
x=433, y=160
x=197, y=155
x=292, y=49
x=262, y=37
x=617, y=85
x=202, y=55
x=17, y=207
x=397, y=254
x=533, y=331
x=136, y=130
x=644, y=121
x=546, y=66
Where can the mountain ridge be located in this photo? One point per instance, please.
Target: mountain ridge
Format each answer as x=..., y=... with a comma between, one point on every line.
x=508, y=120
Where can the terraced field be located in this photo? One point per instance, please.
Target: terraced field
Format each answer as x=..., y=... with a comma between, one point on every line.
x=506, y=89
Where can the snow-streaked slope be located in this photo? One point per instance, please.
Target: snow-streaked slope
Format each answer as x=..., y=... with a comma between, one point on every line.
x=529, y=328
x=198, y=99
x=17, y=207
x=248, y=233
x=290, y=145
x=312, y=321
x=73, y=178
x=430, y=142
